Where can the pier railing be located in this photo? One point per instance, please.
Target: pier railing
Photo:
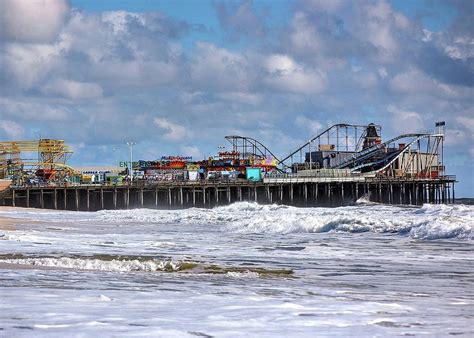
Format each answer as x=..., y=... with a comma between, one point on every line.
x=335, y=176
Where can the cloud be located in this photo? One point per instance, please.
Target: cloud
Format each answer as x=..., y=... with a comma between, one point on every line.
x=173, y=131
x=32, y=20
x=219, y=69
x=74, y=89
x=324, y=5
x=415, y=82
x=193, y=151
x=27, y=65
x=405, y=121
x=24, y=111
x=467, y=122
x=310, y=125
x=241, y=20
x=11, y=129
x=286, y=75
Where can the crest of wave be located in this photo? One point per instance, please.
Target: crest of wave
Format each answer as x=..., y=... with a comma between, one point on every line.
x=93, y=264
x=427, y=222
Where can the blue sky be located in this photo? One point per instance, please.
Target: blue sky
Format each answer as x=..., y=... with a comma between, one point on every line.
x=177, y=76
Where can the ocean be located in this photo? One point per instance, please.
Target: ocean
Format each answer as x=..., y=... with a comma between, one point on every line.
x=243, y=270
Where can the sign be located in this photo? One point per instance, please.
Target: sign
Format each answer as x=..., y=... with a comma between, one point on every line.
x=125, y=164
x=95, y=172
x=176, y=158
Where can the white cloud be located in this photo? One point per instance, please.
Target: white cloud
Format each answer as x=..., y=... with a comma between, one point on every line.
x=193, y=151
x=381, y=26
x=308, y=124
x=173, y=131
x=32, y=20
x=241, y=97
x=405, y=121
x=119, y=20
x=24, y=110
x=365, y=79
x=219, y=69
x=11, y=129
x=73, y=89
x=304, y=36
x=286, y=75
x=415, y=82
x=455, y=137
x=30, y=63
x=467, y=122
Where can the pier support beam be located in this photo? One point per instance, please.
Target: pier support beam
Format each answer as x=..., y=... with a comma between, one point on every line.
x=127, y=200
x=342, y=193
x=87, y=199
x=76, y=196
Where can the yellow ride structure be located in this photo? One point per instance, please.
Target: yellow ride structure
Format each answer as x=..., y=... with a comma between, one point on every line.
x=51, y=157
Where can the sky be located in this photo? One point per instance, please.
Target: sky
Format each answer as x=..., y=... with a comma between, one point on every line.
x=176, y=77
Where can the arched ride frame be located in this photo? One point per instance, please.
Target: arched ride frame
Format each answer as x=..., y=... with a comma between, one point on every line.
x=432, y=150
x=345, y=137
x=413, y=148
x=247, y=145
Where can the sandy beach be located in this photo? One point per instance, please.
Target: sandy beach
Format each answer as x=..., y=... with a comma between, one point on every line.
x=8, y=223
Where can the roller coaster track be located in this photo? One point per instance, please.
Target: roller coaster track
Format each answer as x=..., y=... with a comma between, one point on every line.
x=408, y=146
x=320, y=135
x=248, y=142
x=367, y=153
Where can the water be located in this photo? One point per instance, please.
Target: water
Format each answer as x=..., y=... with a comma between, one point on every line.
x=239, y=270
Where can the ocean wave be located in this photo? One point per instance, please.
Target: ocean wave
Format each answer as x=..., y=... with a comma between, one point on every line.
x=96, y=264
x=111, y=263
x=426, y=222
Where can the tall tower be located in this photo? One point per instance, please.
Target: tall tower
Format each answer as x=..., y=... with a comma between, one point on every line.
x=371, y=136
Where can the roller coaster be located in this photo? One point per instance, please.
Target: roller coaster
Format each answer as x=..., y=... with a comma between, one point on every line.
x=360, y=151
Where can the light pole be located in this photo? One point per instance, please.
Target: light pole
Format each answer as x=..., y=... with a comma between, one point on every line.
x=130, y=145
x=310, y=157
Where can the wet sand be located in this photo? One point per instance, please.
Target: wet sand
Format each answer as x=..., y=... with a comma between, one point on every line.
x=8, y=223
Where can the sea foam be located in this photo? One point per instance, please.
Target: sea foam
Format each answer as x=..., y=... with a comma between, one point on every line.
x=426, y=222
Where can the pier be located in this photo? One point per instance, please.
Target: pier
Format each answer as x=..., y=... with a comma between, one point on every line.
x=336, y=167
x=301, y=192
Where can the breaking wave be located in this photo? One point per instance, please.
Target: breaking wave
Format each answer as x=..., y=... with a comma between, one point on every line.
x=427, y=222
x=140, y=264
x=98, y=264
